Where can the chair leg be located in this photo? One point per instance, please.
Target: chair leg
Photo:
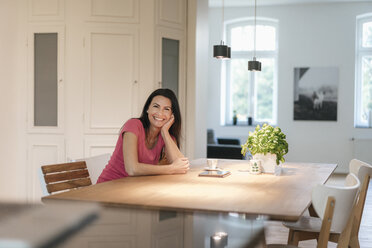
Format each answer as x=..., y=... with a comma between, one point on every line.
x=290, y=236
x=296, y=238
x=263, y=242
x=293, y=237
x=354, y=242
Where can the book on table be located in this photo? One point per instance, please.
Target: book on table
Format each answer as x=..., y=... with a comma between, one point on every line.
x=214, y=173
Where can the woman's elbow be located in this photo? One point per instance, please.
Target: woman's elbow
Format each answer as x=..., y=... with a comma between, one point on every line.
x=132, y=170
x=131, y=173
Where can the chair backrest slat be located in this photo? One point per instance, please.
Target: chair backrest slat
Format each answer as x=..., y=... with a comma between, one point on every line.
x=63, y=167
x=361, y=202
x=326, y=223
x=57, y=177
x=68, y=185
x=66, y=176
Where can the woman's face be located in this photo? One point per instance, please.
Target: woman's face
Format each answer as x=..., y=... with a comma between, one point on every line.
x=159, y=111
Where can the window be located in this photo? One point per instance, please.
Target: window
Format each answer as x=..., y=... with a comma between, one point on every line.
x=363, y=72
x=251, y=94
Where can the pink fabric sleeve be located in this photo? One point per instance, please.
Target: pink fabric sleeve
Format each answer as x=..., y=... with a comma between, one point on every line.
x=133, y=126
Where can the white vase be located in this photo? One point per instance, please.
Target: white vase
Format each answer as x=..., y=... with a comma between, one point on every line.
x=268, y=163
x=255, y=166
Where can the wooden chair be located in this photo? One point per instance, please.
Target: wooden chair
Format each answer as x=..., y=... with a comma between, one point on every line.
x=347, y=237
x=364, y=172
x=95, y=165
x=335, y=212
x=59, y=177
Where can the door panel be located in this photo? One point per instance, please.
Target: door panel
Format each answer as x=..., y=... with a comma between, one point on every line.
x=42, y=150
x=170, y=64
x=39, y=85
x=112, y=79
x=125, y=11
x=46, y=10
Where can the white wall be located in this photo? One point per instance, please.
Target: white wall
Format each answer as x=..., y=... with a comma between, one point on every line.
x=197, y=77
x=309, y=35
x=12, y=124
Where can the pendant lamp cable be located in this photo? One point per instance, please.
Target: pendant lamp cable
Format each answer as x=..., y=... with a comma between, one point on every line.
x=254, y=65
x=254, y=42
x=223, y=18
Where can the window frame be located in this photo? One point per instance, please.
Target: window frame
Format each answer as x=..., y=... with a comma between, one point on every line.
x=226, y=113
x=360, y=52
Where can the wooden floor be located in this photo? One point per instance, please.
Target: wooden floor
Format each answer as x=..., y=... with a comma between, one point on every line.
x=276, y=233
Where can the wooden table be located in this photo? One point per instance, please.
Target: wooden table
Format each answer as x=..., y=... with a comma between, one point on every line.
x=283, y=197
x=34, y=226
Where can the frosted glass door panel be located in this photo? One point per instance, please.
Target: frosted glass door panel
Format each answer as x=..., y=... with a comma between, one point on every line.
x=45, y=79
x=170, y=64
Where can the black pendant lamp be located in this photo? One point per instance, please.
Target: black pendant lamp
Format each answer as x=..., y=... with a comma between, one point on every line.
x=254, y=65
x=222, y=51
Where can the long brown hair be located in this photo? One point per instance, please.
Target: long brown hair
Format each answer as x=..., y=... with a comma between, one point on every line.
x=175, y=129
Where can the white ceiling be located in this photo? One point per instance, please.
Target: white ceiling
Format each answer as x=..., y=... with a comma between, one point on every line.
x=238, y=3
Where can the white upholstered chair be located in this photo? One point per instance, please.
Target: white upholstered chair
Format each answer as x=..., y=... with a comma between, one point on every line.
x=364, y=173
x=335, y=205
x=95, y=165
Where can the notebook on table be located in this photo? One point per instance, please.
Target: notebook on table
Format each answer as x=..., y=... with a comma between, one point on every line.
x=214, y=173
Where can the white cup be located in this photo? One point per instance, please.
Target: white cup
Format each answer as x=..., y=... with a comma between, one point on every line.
x=212, y=163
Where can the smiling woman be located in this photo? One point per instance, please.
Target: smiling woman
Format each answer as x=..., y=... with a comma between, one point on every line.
x=149, y=145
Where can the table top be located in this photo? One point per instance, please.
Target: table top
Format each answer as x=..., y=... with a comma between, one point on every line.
x=34, y=226
x=283, y=197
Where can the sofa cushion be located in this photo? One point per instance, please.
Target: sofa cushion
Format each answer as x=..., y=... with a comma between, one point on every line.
x=228, y=141
x=224, y=151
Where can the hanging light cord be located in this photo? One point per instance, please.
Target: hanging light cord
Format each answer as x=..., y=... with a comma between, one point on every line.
x=223, y=18
x=254, y=42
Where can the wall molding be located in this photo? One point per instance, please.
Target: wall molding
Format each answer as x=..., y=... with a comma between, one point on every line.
x=171, y=13
x=46, y=10
x=113, y=12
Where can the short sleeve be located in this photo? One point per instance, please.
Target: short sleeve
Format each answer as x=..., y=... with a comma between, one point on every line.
x=133, y=126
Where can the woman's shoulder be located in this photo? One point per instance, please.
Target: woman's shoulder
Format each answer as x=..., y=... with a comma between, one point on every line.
x=133, y=125
x=134, y=121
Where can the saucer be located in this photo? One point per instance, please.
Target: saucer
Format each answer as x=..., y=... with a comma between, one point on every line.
x=209, y=169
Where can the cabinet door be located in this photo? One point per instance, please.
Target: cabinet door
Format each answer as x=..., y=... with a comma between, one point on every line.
x=45, y=112
x=171, y=13
x=167, y=229
x=112, y=70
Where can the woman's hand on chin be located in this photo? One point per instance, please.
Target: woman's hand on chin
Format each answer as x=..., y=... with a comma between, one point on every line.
x=180, y=166
x=168, y=124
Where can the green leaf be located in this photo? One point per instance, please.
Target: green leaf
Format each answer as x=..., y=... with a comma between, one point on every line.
x=266, y=139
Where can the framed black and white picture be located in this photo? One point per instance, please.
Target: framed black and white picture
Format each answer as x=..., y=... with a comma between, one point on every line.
x=315, y=93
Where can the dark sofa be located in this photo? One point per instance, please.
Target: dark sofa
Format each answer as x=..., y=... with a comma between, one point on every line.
x=224, y=147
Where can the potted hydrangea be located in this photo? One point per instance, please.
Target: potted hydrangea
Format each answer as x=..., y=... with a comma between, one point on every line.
x=267, y=144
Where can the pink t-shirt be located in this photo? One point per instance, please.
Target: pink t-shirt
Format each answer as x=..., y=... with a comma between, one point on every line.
x=115, y=168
